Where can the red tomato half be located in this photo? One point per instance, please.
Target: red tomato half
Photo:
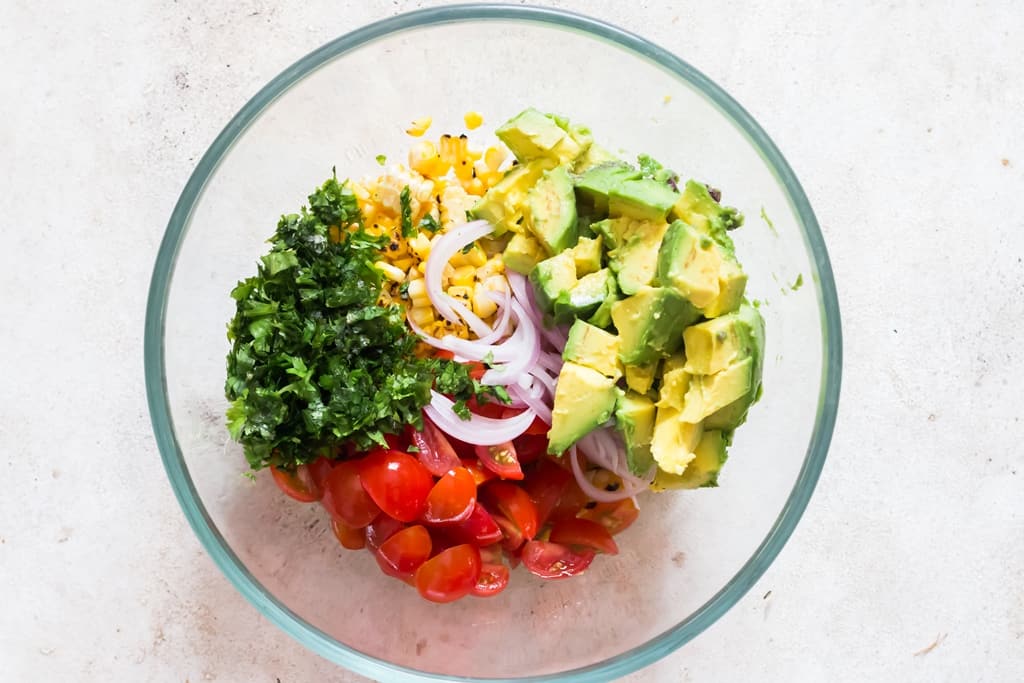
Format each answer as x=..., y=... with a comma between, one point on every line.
x=479, y=472
x=479, y=528
x=583, y=533
x=319, y=469
x=492, y=580
x=545, y=486
x=397, y=482
x=404, y=551
x=553, y=561
x=353, y=539
x=452, y=499
x=380, y=530
x=435, y=451
x=298, y=483
x=515, y=504
x=500, y=459
x=570, y=503
x=345, y=499
x=537, y=428
x=512, y=538
x=614, y=517
x=449, y=575
x=530, y=447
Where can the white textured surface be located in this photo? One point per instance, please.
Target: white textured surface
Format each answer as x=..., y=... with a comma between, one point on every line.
x=903, y=124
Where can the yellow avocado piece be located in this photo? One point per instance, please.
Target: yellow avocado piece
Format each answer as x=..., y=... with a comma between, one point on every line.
x=584, y=400
x=711, y=392
x=711, y=346
x=674, y=440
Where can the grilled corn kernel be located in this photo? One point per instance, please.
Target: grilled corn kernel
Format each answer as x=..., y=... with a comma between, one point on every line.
x=389, y=271
x=494, y=157
x=464, y=276
x=446, y=274
x=422, y=315
x=419, y=126
x=476, y=256
x=496, y=283
x=460, y=293
x=418, y=289
x=403, y=264
x=483, y=305
x=473, y=119
x=475, y=186
x=420, y=246
x=424, y=159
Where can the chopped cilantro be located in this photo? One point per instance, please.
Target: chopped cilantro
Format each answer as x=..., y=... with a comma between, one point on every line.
x=429, y=223
x=381, y=159
x=406, y=201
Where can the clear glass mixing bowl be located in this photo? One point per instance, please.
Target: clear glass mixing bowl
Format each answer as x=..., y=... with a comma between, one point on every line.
x=691, y=555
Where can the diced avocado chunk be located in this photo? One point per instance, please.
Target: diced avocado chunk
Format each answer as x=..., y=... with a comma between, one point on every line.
x=675, y=382
x=640, y=376
x=584, y=400
x=689, y=263
x=752, y=342
x=634, y=418
x=532, y=135
x=594, y=156
x=523, y=253
x=585, y=297
x=552, y=278
x=502, y=205
x=713, y=345
x=709, y=457
x=674, y=440
x=587, y=254
x=642, y=198
x=594, y=185
x=635, y=262
x=651, y=323
x=709, y=393
x=732, y=284
x=593, y=347
x=697, y=207
x=603, y=315
x=552, y=210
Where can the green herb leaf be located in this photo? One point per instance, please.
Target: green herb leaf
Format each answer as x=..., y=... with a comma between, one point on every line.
x=406, y=201
x=381, y=159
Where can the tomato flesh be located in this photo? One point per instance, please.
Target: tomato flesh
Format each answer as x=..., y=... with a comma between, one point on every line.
x=435, y=451
x=397, y=483
x=480, y=473
x=515, y=504
x=298, y=483
x=511, y=536
x=349, y=537
x=492, y=580
x=452, y=498
x=403, y=553
x=500, y=459
x=555, y=561
x=583, y=533
x=479, y=528
x=545, y=486
x=319, y=469
x=345, y=499
x=380, y=530
x=449, y=575
x=615, y=517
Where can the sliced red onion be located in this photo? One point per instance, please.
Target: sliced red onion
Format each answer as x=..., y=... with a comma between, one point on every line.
x=600, y=495
x=446, y=246
x=550, y=361
x=538, y=406
x=546, y=380
x=528, y=345
x=477, y=430
x=504, y=301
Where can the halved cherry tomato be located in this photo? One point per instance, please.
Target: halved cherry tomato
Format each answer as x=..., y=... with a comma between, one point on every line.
x=404, y=551
x=452, y=499
x=480, y=473
x=345, y=499
x=614, y=517
x=349, y=537
x=554, y=561
x=530, y=447
x=545, y=486
x=492, y=580
x=478, y=529
x=397, y=482
x=515, y=504
x=298, y=483
x=537, y=428
x=319, y=469
x=585, y=533
x=449, y=575
x=487, y=409
x=380, y=530
x=396, y=442
x=512, y=538
x=500, y=459
x=570, y=503
x=435, y=451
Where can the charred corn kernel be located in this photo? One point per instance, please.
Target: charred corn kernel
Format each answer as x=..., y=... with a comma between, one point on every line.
x=422, y=315
x=422, y=267
x=483, y=305
x=420, y=246
x=464, y=276
x=458, y=260
x=603, y=479
x=413, y=274
x=460, y=293
x=424, y=159
x=389, y=271
x=446, y=274
x=494, y=157
x=475, y=186
x=419, y=126
x=494, y=266
x=473, y=119
x=476, y=256
x=403, y=264
x=418, y=289
x=496, y=283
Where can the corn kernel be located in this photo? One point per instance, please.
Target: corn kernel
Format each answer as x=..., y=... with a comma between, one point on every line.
x=422, y=315
x=389, y=271
x=420, y=245
x=496, y=283
x=460, y=293
x=473, y=119
x=458, y=260
x=475, y=186
x=476, y=256
x=403, y=264
x=419, y=126
x=418, y=289
x=446, y=274
x=494, y=157
x=483, y=305
x=464, y=276
x=424, y=159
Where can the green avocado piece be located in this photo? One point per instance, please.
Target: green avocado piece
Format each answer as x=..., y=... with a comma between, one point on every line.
x=641, y=198
x=675, y=382
x=502, y=205
x=552, y=210
x=714, y=344
x=594, y=185
x=523, y=253
x=750, y=331
x=584, y=298
x=584, y=400
x=709, y=393
x=675, y=440
x=732, y=284
x=587, y=254
x=533, y=135
x=635, y=262
x=651, y=323
x=709, y=457
x=594, y=156
x=593, y=347
x=552, y=278
x=634, y=418
x=640, y=376
x=603, y=315
x=697, y=207
x=689, y=262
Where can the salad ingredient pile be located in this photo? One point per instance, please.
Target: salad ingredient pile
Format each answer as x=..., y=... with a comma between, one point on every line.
x=480, y=359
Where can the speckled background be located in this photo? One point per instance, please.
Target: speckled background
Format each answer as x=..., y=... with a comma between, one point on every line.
x=902, y=121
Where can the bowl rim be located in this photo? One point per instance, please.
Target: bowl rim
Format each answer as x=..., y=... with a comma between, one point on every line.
x=156, y=383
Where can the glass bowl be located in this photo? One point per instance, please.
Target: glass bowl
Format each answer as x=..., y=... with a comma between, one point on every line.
x=691, y=555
